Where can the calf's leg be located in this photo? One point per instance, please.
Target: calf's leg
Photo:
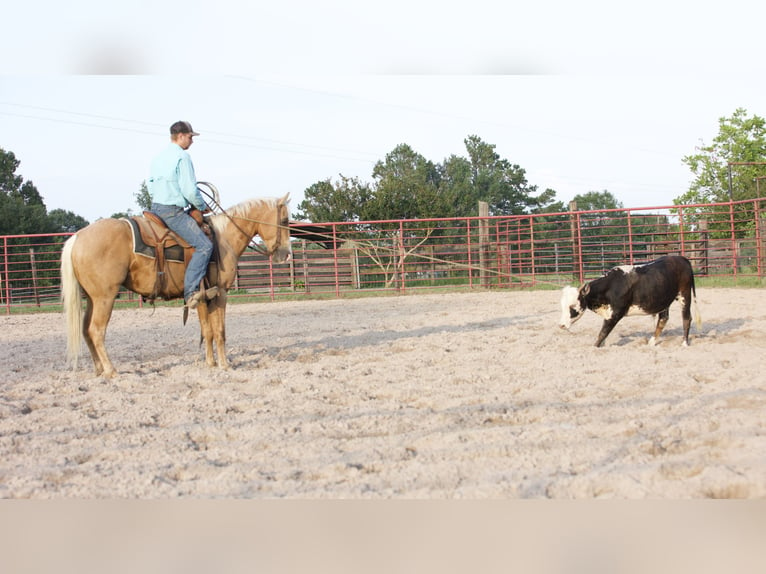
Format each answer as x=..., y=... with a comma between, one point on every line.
x=607, y=327
x=686, y=315
x=662, y=320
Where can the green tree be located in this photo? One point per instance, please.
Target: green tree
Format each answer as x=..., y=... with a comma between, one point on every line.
x=406, y=187
x=546, y=202
x=601, y=224
x=741, y=142
x=456, y=188
x=143, y=200
x=497, y=181
x=22, y=210
x=409, y=186
x=594, y=200
x=143, y=197
x=9, y=181
x=65, y=221
x=734, y=161
x=602, y=232
x=345, y=200
x=484, y=176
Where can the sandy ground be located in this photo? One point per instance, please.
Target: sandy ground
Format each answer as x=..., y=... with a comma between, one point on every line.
x=472, y=395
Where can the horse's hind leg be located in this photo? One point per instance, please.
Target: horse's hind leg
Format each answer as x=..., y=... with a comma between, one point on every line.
x=89, y=340
x=97, y=316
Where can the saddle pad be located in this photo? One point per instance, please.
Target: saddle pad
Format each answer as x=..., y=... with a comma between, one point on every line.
x=174, y=253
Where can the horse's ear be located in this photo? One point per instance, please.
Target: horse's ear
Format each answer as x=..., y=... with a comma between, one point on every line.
x=285, y=198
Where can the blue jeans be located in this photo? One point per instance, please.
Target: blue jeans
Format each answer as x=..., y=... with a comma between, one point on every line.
x=182, y=224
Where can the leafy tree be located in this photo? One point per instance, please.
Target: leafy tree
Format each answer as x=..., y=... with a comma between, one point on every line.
x=546, y=203
x=597, y=224
x=406, y=187
x=143, y=200
x=599, y=231
x=9, y=181
x=739, y=151
x=65, y=221
x=22, y=210
x=143, y=197
x=485, y=176
x=456, y=187
x=327, y=202
x=594, y=200
x=409, y=186
x=498, y=182
x=740, y=140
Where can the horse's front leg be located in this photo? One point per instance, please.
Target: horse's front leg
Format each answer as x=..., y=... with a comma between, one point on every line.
x=206, y=331
x=218, y=326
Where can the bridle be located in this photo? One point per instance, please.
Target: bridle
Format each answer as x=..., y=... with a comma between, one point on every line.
x=214, y=197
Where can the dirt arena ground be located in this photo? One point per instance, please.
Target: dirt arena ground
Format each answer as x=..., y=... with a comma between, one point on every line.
x=473, y=395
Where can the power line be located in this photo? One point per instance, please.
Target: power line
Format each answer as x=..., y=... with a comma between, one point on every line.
x=269, y=144
x=446, y=115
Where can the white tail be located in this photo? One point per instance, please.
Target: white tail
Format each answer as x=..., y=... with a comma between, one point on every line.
x=697, y=315
x=71, y=298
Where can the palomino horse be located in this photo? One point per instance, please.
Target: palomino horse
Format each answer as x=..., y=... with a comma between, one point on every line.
x=99, y=258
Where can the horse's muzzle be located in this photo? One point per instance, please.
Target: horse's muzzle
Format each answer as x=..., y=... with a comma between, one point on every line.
x=282, y=255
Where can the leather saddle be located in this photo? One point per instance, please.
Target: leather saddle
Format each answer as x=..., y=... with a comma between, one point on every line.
x=153, y=239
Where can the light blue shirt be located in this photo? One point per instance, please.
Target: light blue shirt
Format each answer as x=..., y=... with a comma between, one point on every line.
x=172, y=180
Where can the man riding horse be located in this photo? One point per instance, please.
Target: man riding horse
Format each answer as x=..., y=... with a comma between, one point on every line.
x=173, y=188
x=102, y=258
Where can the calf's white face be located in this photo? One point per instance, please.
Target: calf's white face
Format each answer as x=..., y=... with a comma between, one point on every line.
x=571, y=310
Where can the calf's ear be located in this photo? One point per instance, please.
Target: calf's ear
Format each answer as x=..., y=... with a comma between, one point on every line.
x=585, y=289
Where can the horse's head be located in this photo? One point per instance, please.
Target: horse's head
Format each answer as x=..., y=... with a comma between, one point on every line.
x=274, y=230
x=266, y=218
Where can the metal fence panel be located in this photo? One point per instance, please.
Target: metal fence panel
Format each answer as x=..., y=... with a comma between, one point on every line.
x=517, y=251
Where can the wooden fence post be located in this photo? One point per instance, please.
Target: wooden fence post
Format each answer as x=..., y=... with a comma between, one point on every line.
x=761, y=223
x=34, y=275
x=356, y=278
x=704, y=246
x=483, y=243
x=306, y=285
x=431, y=264
x=576, y=271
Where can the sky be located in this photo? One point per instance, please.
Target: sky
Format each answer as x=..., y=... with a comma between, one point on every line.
x=582, y=96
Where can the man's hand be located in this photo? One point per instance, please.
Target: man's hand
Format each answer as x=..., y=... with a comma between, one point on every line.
x=196, y=215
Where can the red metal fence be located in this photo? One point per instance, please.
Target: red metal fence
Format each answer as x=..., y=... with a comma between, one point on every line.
x=727, y=239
